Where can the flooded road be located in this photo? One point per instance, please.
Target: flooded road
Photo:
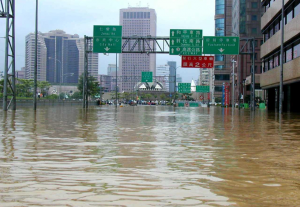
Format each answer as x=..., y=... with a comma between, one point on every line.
x=148, y=156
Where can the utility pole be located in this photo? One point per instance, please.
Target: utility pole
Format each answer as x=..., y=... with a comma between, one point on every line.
x=116, y=79
x=282, y=60
x=233, y=82
x=35, y=59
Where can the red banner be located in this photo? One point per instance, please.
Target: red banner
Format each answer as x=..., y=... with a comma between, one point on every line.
x=197, y=61
x=226, y=95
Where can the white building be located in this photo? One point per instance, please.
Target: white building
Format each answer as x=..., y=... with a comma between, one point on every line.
x=164, y=70
x=137, y=21
x=30, y=57
x=206, y=78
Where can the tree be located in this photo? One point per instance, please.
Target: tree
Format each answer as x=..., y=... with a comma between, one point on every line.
x=77, y=95
x=44, y=86
x=148, y=96
x=24, y=87
x=163, y=97
x=126, y=95
x=93, y=86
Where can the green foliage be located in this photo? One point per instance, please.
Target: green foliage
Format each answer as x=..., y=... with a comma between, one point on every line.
x=52, y=97
x=44, y=86
x=93, y=85
x=126, y=95
x=148, y=96
x=218, y=99
x=77, y=95
x=1, y=85
x=163, y=97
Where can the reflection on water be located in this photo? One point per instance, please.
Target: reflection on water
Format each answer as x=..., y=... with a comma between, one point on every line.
x=148, y=156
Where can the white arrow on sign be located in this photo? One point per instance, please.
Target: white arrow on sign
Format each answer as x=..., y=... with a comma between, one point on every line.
x=172, y=50
x=106, y=49
x=172, y=42
x=221, y=50
x=172, y=33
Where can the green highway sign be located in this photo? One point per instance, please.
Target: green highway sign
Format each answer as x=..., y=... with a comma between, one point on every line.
x=202, y=89
x=107, y=39
x=185, y=42
x=184, y=87
x=221, y=45
x=147, y=77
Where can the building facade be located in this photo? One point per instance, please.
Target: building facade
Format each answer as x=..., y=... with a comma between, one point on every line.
x=246, y=24
x=173, y=67
x=223, y=27
x=30, y=57
x=111, y=69
x=164, y=70
x=137, y=21
x=60, y=57
x=21, y=74
x=105, y=81
x=271, y=55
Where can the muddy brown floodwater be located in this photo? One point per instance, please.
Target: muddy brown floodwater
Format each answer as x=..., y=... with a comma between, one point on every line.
x=148, y=156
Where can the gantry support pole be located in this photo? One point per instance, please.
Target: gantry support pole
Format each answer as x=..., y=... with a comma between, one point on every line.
x=9, y=85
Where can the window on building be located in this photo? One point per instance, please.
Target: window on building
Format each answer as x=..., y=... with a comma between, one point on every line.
x=288, y=54
x=276, y=61
x=266, y=64
x=297, y=9
x=218, y=88
x=297, y=50
x=219, y=67
x=219, y=58
x=220, y=6
x=254, y=18
x=289, y=16
x=254, y=5
x=254, y=30
x=271, y=63
x=222, y=77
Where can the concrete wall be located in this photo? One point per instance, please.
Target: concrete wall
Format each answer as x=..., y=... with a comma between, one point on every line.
x=290, y=30
x=271, y=12
x=291, y=73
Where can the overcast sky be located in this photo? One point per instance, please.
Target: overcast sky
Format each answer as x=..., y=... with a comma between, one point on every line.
x=79, y=16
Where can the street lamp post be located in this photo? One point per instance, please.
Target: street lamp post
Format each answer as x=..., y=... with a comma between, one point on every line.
x=61, y=75
x=233, y=83
x=244, y=91
x=282, y=59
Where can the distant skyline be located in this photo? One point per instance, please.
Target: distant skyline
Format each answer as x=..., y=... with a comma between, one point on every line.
x=78, y=17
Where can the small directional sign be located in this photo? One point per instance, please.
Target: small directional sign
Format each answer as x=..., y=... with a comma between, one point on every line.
x=202, y=89
x=185, y=42
x=147, y=77
x=221, y=45
x=184, y=87
x=107, y=39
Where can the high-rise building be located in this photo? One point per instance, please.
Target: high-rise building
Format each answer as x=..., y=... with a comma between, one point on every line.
x=172, y=65
x=205, y=77
x=246, y=24
x=111, y=69
x=271, y=53
x=105, y=82
x=137, y=21
x=21, y=74
x=164, y=70
x=30, y=57
x=60, y=57
x=223, y=63
x=178, y=78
